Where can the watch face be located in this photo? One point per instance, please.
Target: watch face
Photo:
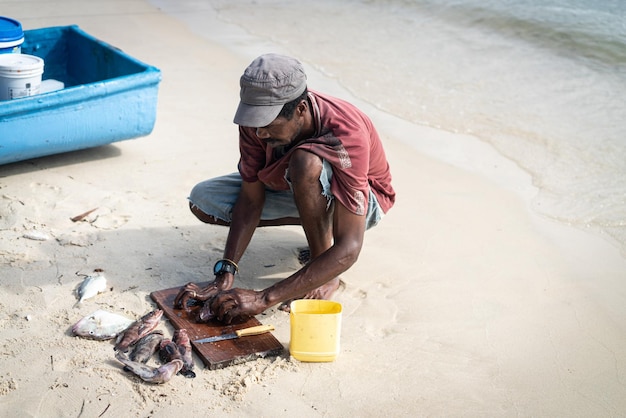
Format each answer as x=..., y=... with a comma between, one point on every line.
x=218, y=266
x=223, y=266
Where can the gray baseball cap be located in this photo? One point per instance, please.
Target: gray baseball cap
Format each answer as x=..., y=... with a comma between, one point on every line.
x=269, y=82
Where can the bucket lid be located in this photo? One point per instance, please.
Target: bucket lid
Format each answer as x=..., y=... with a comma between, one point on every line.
x=20, y=62
x=10, y=30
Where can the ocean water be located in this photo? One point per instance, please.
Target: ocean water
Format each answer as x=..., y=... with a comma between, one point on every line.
x=543, y=82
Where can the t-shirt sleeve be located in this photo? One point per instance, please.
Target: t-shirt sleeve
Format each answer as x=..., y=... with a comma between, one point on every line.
x=251, y=155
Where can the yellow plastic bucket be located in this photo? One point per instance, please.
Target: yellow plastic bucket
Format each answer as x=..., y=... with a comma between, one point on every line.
x=315, y=330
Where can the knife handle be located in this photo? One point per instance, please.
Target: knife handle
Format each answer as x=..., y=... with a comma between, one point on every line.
x=259, y=329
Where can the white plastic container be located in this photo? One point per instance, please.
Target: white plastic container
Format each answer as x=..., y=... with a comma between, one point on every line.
x=20, y=75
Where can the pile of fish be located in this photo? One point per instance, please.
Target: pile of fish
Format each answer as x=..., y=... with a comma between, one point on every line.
x=138, y=341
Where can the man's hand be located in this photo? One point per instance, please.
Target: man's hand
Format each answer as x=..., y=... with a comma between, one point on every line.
x=237, y=303
x=191, y=291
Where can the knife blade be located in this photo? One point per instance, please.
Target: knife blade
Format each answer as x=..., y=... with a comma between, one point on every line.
x=259, y=329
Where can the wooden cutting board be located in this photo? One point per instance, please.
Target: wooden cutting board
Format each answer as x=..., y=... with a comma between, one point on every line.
x=222, y=353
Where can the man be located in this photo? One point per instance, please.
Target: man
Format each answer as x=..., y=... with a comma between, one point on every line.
x=305, y=159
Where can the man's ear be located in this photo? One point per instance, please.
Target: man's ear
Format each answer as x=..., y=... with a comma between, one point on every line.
x=302, y=107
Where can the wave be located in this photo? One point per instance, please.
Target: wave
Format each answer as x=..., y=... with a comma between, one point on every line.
x=590, y=31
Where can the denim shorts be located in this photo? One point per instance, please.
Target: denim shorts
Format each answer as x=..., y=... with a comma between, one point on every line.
x=217, y=196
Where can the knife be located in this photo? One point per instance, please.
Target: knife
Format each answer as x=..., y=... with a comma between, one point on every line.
x=259, y=329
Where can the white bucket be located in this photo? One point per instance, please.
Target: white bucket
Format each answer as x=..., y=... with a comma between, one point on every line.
x=20, y=75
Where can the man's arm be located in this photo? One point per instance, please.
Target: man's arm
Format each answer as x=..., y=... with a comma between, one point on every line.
x=245, y=218
x=348, y=232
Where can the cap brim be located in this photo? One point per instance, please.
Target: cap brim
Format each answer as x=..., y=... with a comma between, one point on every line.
x=256, y=116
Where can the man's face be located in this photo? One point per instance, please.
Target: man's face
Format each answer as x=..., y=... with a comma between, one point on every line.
x=281, y=131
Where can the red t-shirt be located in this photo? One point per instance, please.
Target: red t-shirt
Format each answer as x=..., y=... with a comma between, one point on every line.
x=345, y=137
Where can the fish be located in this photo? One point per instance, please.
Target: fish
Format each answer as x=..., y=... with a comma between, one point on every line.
x=141, y=327
x=205, y=314
x=157, y=375
x=101, y=325
x=92, y=285
x=181, y=339
x=146, y=347
x=168, y=351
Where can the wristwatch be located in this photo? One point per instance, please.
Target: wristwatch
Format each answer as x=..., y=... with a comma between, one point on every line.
x=225, y=266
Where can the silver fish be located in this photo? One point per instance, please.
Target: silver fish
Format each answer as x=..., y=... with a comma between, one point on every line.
x=146, y=347
x=181, y=339
x=101, y=325
x=92, y=285
x=141, y=327
x=150, y=374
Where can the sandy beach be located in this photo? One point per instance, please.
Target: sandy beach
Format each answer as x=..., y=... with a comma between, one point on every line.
x=464, y=302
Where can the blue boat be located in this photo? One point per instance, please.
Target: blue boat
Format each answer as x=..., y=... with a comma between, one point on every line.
x=109, y=96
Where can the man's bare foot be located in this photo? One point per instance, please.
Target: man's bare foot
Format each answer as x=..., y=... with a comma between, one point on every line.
x=323, y=292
